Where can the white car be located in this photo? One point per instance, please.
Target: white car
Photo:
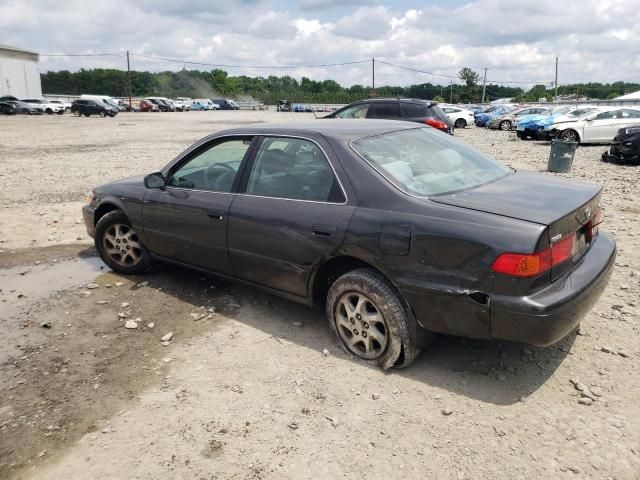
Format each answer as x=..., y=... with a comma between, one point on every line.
x=597, y=127
x=65, y=105
x=458, y=116
x=46, y=105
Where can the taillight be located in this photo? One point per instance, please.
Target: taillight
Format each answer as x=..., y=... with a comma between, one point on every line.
x=532, y=264
x=435, y=123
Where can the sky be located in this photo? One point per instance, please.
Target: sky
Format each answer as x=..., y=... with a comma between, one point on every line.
x=517, y=41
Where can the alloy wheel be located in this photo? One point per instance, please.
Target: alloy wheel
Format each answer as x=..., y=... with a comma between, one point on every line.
x=569, y=136
x=121, y=243
x=361, y=326
x=505, y=125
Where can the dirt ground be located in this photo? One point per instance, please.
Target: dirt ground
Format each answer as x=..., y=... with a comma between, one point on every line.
x=243, y=390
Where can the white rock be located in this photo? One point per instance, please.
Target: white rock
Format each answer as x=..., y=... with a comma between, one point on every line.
x=167, y=337
x=131, y=324
x=119, y=284
x=92, y=286
x=325, y=352
x=151, y=325
x=124, y=304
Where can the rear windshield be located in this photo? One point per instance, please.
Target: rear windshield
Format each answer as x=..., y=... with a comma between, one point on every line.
x=425, y=163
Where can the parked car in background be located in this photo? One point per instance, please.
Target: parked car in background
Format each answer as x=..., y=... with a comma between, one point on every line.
x=459, y=116
x=533, y=126
x=570, y=116
x=27, y=108
x=625, y=146
x=46, y=105
x=198, y=105
x=105, y=100
x=225, y=104
x=397, y=230
x=410, y=109
x=65, y=105
x=283, y=106
x=482, y=119
x=507, y=121
x=148, y=106
x=181, y=105
x=91, y=107
x=298, y=107
x=7, y=108
x=599, y=127
x=161, y=104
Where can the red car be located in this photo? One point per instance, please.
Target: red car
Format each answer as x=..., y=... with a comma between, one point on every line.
x=147, y=106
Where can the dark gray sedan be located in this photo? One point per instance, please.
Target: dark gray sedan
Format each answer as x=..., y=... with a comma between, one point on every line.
x=398, y=229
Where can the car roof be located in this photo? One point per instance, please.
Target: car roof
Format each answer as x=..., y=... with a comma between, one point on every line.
x=338, y=128
x=387, y=99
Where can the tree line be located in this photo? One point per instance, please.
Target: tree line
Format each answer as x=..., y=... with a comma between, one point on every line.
x=208, y=84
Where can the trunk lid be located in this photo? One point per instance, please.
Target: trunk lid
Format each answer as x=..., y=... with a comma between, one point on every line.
x=568, y=208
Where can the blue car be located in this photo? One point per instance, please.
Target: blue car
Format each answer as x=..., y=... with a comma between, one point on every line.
x=483, y=118
x=298, y=107
x=533, y=126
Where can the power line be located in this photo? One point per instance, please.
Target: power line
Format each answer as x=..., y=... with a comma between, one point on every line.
x=174, y=60
x=416, y=70
x=82, y=54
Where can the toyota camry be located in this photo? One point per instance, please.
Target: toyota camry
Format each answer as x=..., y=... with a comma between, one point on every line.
x=398, y=230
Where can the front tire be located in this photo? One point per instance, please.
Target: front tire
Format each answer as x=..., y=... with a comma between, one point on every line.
x=119, y=246
x=505, y=125
x=371, y=320
x=77, y=113
x=569, y=136
x=102, y=114
x=460, y=123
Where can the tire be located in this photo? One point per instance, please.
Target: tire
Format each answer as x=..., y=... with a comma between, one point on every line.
x=460, y=123
x=48, y=111
x=367, y=295
x=505, y=125
x=60, y=112
x=569, y=135
x=113, y=233
x=102, y=114
x=67, y=110
x=77, y=113
x=87, y=115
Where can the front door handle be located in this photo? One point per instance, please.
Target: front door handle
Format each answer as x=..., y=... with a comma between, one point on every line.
x=324, y=230
x=215, y=214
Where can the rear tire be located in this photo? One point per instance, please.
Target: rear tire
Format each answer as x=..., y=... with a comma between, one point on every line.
x=505, y=125
x=370, y=319
x=460, y=123
x=77, y=113
x=102, y=114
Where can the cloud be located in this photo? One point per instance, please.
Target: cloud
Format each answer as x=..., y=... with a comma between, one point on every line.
x=596, y=40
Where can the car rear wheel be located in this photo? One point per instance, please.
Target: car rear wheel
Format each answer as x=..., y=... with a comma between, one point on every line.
x=505, y=125
x=48, y=111
x=460, y=123
x=102, y=114
x=119, y=246
x=570, y=136
x=67, y=110
x=370, y=319
x=77, y=113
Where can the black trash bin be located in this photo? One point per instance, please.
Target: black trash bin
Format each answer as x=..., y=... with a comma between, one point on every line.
x=561, y=156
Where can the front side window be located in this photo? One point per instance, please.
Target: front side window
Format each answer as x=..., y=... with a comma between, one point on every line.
x=214, y=169
x=293, y=168
x=357, y=111
x=424, y=163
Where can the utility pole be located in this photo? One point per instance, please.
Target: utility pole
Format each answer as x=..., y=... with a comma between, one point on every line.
x=484, y=84
x=373, y=77
x=556, y=82
x=129, y=75
x=451, y=93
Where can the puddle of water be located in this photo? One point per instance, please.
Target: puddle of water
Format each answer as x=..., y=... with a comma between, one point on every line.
x=20, y=286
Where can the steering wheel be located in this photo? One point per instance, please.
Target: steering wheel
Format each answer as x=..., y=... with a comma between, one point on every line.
x=215, y=171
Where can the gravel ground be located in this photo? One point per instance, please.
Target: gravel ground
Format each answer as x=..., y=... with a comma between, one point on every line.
x=244, y=390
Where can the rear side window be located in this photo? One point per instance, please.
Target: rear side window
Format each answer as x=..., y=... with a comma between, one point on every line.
x=426, y=163
x=607, y=115
x=357, y=111
x=435, y=112
x=384, y=110
x=293, y=168
x=413, y=110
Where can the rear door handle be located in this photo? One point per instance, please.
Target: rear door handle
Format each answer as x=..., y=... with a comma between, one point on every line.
x=215, y=214
x=324, y=230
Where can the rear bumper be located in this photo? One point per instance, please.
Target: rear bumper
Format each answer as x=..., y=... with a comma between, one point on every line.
x=89, y=215
x=550, y=314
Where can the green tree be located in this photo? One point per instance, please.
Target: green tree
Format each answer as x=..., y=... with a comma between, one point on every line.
x=469, y=77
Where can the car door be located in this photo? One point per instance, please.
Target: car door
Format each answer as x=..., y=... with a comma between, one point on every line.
x=187, y=220
x=599, y=128
x=292, y=212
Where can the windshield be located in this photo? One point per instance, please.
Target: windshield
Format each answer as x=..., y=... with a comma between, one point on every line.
x=427, y=163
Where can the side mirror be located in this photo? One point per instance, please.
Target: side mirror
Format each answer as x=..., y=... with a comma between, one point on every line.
x=154, y=180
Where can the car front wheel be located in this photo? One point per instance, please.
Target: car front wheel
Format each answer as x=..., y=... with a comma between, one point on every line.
x=505, y=125
x=570, y=136
x=370, y=319
x=119, y=246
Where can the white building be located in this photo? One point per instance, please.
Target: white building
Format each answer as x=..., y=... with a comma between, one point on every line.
x=19, y=76
x=629, y=96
